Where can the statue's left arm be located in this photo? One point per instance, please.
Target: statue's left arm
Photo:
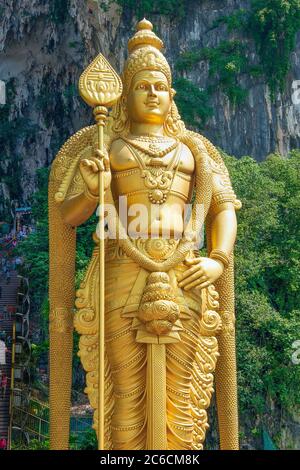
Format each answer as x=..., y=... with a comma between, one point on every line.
x=223, y=227
x=223, y=221
x=221, y=234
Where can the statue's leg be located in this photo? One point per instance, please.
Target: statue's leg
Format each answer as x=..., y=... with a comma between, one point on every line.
x=180, y=359
x=127, y=360
x=190, y=366
x=125, y=364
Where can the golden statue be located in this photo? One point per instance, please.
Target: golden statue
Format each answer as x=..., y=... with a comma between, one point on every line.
x=152, y=314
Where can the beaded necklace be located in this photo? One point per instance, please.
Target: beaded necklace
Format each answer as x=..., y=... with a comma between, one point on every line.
x=154, y=150
x=158, y=177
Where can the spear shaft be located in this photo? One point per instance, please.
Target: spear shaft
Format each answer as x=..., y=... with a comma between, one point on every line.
x=101, y=87
x=100, y=113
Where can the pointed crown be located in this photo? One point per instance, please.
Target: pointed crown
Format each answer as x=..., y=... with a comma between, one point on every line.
x=144, y=54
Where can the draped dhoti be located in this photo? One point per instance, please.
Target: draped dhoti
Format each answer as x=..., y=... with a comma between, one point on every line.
x=190, y=359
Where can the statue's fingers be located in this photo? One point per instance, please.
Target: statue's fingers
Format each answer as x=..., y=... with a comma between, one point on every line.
x=188, y=272
x=84, y=162
x=195, y=283
x=101, y=154
x=88, y=165
x=190, y=261
x=94, y=167
x=98, y=164
x=204, y=284
x=106, y=164
x=189, y=279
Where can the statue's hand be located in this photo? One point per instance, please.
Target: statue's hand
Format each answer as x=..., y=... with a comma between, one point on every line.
x=203, y=272
x=89, y=169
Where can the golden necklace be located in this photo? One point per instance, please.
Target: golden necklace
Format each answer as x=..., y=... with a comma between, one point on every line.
x=158, y=176
x=154, y=150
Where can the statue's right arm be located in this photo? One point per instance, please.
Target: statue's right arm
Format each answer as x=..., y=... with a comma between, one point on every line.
x=77, y=209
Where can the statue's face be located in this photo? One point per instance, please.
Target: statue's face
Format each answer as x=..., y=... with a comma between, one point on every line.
x=149, y=98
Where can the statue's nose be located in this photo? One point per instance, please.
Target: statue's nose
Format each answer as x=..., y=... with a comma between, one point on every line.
x=152, y=91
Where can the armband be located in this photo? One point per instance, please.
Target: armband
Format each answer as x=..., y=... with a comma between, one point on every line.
x=220, y=256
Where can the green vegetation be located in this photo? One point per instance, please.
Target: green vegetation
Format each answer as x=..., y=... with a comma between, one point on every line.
x=12, y=132
x=267, y=252
x=35, y=247
x=35, y=251
x=226, y=62
x=267, y=281
x=85, y=440
x=59, y=11
x=192, y=103
x=34, y=444
x=273, y=24
x=236, y=21
x=267, y=278
x=173, y=8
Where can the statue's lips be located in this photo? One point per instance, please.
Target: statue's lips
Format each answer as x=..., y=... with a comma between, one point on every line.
x=152, y=104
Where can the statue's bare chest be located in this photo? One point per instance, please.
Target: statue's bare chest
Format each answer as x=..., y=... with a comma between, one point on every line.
x=123, y=158
x=156, y=175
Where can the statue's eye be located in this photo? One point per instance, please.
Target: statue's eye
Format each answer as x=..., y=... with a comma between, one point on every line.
x=161, y=87
x=141, y=86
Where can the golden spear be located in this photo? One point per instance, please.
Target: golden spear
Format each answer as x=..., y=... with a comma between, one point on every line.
x=100, y=87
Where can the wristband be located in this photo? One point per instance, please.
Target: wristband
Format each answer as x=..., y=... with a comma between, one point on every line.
x=90, y=196
x=220, y=256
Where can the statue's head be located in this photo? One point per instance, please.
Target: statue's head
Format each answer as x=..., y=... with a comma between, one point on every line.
x=147, y=94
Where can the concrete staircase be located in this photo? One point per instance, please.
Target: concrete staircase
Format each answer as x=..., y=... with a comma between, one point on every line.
x=9, y=300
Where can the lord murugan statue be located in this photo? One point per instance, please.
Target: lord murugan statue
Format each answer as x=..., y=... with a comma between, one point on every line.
x=167, y=312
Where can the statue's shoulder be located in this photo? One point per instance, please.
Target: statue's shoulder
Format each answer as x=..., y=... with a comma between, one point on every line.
x=199, y=144
x=73, y=147
x=120, y=156
x=64, y=173
x=221, y=183
x=117, y=146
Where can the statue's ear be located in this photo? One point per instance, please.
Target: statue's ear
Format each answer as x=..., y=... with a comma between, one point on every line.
x=173, y=92
x=123, y=101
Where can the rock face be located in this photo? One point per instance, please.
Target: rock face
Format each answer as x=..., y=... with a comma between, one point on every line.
x=44, y=47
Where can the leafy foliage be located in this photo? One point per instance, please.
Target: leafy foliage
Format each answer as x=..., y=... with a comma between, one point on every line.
x=267, y=280
x=226, y=62
x=86, y=440
x=173, y=8
x=59, y=11
x=34, y=444
x=192, y=103
x=35, y=251
x=273, y=24
x=12, y=131
x=236, y=21
x=34, y=248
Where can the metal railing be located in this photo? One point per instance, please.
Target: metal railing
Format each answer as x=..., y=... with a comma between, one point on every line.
x=21, y=351
x=32, y=424
x=29, y=417
x=34, y=420
x=12, y=384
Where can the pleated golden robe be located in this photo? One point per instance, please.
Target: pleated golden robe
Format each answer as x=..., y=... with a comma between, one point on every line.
x=190, y=362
